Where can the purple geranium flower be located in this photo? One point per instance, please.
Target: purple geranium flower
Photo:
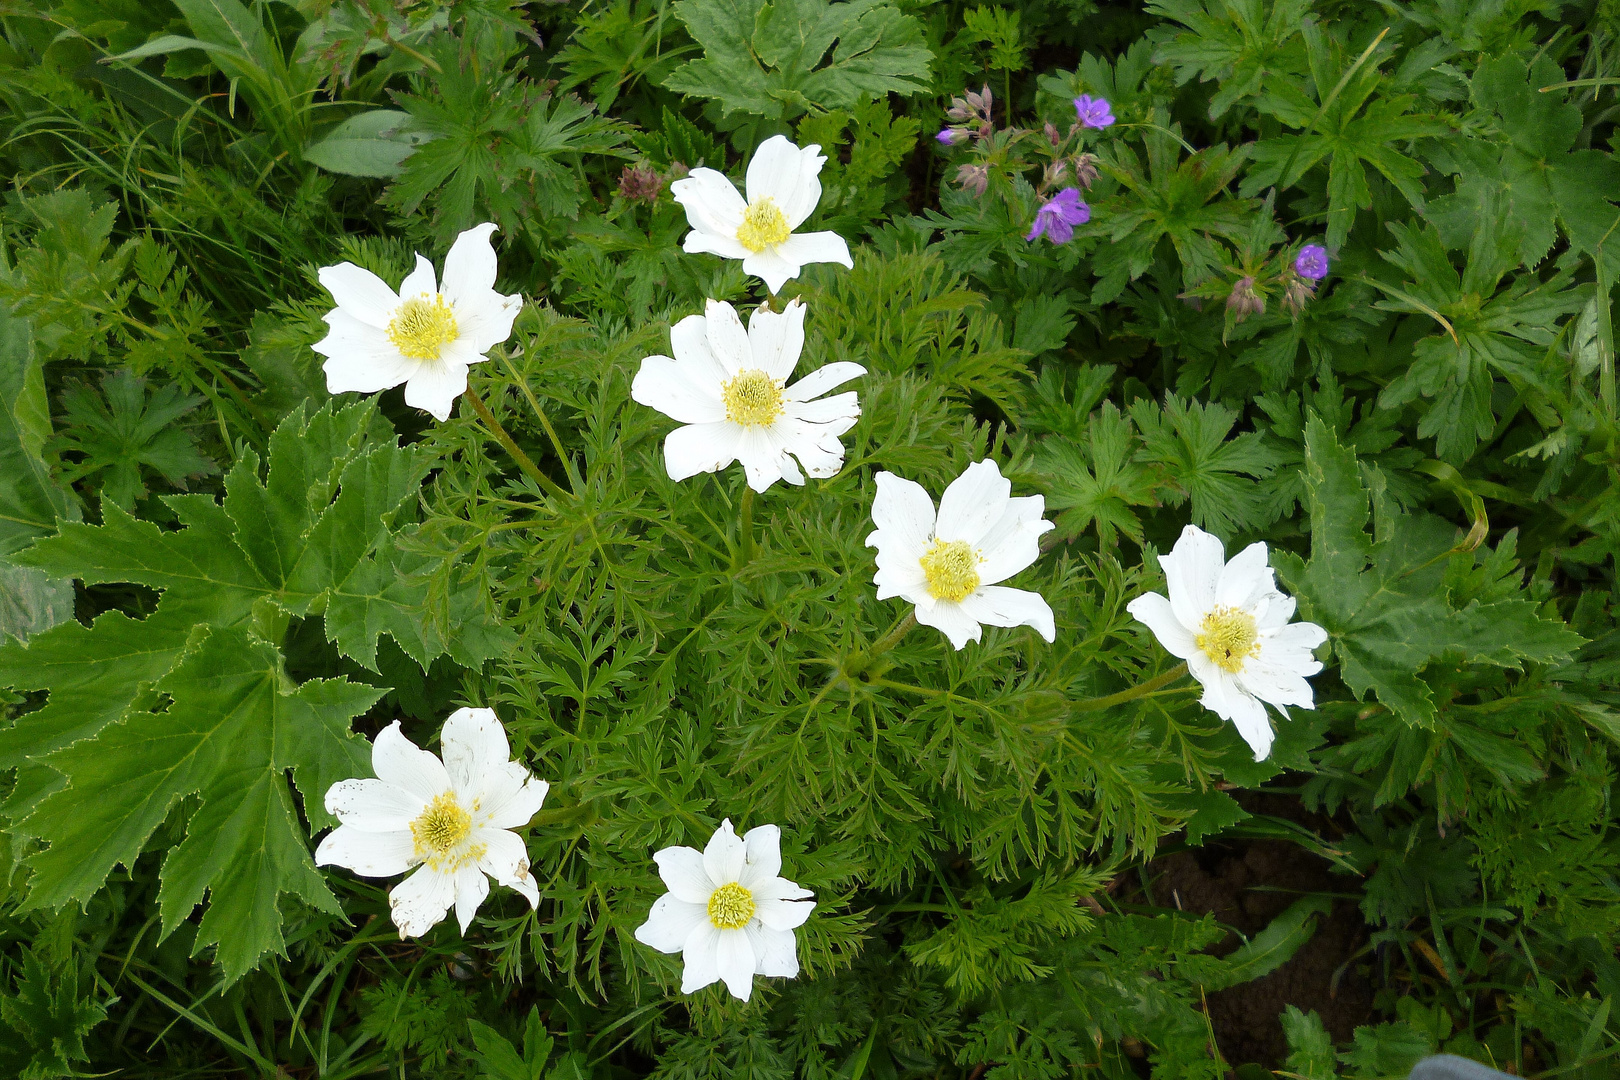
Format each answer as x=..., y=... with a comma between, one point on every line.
x=1312, y=262
x=1058, y=216
x=951, y=136
x=1093, y=112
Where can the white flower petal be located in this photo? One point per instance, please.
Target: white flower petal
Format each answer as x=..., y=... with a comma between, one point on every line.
x=419, y=282
x=701, y=951
x=373, y=805
x=776, y=339
x=421, y=901
x=469, y=268
x=360, y=293
x=973, y=503
x=471, y=889
x=398, y=761
x=775, y=951
x=505, y=858
x=724, y=855
x=771, y=267
x=485, y=323
x=779, y=914
x=508, y=796
x=369, y=854
x=702, y=243
x=788, y=175
x=1272, y=611
x=830, y=415
x=1014, y=542
x=816, y=247
x=1304, y=636
x=712, y=204
x=904, y=515
x=689, y=341
x=670, y=922
x=435, y=386
x=762, y=855
x=734, y=957
x=997, y=605
x=1226, y=699
x=360, y=358
x=664, y=384
x=817, y=449
x=1191, y=570
x=761, y=457
x=950, y=620
x=825, y=378
x=699, y=448
x=727, y=338
x=1155, y=611
x=780, y=888
x=1245, y=579
x=472, y=742
x=684, y=875
x=1275, y=683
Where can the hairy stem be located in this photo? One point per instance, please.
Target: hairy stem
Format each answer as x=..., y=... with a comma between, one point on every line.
x=1158, y=682
x=547, y=484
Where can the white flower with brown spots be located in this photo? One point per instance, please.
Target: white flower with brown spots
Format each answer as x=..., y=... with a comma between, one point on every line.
x=424, y=336
x=450, y=819
x=729, y=387
x=782, y=191
x=728, y=912
x=948, y=563
x=1229, y=621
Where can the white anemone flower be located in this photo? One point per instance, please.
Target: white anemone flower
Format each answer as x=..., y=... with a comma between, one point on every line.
x=426, y=335
x=449, y=818
x=948, y=564
x=782, y=191
x=728, y=911
x=1229, y=621
x=729, y=387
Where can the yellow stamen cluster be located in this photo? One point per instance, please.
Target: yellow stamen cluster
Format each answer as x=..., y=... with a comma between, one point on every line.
x=422, y=327
x=440, y=832
x=952, y=570
x=752, y=399
x=763, y=226
x=731, y=906
x=1228, y=636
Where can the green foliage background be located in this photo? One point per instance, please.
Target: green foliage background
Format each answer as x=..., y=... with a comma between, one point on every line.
x=216, y=581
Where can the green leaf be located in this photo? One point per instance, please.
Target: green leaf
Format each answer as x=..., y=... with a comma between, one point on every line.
x=1310, y=1046
x=1247, y=46
x=1189, y=441
x=123, y=430
x=1382, y=600
x=766, y=58
x=499, y=1059
x=374, y=143
x=1096, y=482
x=193, y=705
x=1272, y=947
x=49, y=1021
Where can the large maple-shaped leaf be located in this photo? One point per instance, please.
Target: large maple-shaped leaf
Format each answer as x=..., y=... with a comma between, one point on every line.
x=194, y=699
x=1249, y=46
x=234, y=727
x=766, y=58
x=1382, y=597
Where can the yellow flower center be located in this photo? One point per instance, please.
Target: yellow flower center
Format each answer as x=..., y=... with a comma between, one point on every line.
x=763, y=226
x=753, y=399
x=731, y=906
x=1228, y=636
x=440, y=831
x=952, y=569
x=422, y=327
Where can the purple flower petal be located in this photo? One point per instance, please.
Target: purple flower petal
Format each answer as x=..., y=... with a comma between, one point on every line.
x=1093, y=112
x=1312, y=262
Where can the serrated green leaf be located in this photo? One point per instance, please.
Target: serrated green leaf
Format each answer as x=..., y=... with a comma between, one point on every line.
x=232, y=730
x=766, y=58
x=372, y=143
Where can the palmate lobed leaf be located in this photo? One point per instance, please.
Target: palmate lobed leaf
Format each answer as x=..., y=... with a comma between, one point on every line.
x=1381, y=596
x=195, y=701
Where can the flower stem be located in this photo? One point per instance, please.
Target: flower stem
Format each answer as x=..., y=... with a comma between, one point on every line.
x=574, y=480
x=892, y=638
x=1158, y=682
x=525, y=463
x=745, y=516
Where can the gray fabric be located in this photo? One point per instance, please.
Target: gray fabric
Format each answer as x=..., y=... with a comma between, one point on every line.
x=1452, y=1067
